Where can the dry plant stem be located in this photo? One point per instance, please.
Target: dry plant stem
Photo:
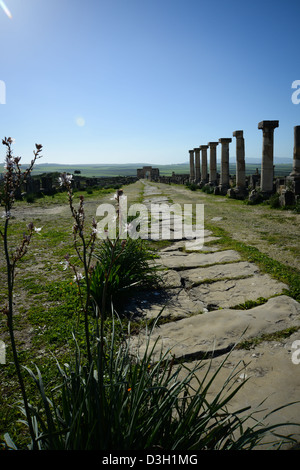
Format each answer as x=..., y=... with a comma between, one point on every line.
x=13, y=180
x=84, y=257
x=10, y=282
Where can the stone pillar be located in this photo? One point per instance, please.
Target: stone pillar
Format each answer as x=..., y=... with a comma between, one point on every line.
x=192, y=166
x=213, y=162
x=267, y=168
x=296, y=157
x=224, y=180
x=203, y=149
x=294, y=176
x=240, y=159
x=197, y=164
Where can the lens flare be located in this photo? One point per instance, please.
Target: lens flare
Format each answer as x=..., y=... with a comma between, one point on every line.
x=5, y=9
x=80, y=121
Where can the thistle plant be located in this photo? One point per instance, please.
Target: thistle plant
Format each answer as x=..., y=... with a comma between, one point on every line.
x=14, y=177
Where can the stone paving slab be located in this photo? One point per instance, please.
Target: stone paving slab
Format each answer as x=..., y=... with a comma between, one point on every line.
x=191, y=260
x=218, y=331
x=232, y=292
x=193, y=245
x=174, y=304
x=218, y=271
x=270, y=378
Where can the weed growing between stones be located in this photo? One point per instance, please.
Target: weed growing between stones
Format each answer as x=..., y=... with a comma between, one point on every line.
x=109, y=397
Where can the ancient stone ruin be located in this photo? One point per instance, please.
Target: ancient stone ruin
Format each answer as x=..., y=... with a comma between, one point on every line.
x=242, y=186
x=148, y=173
x=39, y=185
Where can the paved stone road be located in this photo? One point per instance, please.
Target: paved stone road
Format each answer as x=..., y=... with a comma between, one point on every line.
x=202, y=285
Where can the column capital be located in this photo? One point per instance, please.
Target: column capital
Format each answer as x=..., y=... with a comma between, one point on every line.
x=225, y=140
x=212, y=144
x=237, y=134
x=191, y=151
x=203, y=147
x=268, y=125
x=197, y=149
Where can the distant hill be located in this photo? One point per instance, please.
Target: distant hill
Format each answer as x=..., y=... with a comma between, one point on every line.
x=283, y=167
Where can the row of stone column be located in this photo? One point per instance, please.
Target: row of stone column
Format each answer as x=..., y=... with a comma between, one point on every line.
x=199, y=174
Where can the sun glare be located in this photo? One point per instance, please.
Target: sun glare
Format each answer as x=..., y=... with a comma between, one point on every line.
x=5, y=9
x=80, y=121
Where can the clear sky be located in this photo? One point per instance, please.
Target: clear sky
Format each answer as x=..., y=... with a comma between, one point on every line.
x=124, y=81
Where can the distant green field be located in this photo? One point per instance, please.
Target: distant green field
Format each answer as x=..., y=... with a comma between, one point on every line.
x=130, y=169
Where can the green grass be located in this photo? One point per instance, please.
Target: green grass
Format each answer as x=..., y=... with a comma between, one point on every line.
x=278, y=336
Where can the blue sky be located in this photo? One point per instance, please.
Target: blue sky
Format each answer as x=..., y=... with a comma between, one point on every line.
x=125, y=81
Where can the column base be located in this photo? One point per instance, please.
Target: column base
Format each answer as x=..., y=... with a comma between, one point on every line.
x=238, y=193
x=223, y=188
x=287, y=198
x=241, y=193
x=294, y=182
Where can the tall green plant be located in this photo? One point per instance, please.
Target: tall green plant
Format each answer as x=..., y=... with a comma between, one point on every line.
x=133, y=402
x=122, y=268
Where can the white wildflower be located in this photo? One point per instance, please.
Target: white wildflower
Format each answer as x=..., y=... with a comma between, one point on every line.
x=6, y=215
x=66, y=264
x=65, y=179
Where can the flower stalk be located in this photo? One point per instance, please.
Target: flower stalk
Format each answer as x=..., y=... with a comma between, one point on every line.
x=13, y=178
x=84, y=254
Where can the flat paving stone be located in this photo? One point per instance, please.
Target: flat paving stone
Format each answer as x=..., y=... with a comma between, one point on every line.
x=171, y=279
x=218, y=331
x=193, y=245
x=232, y=292
x=219, y=271
x=192, y=260
x=269, y=379
x=173, y=303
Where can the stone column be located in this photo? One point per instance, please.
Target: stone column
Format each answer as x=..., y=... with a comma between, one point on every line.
x=224, y=180
x=192, y=166
x=203, y=149
x=294, y=176
x=267, y=168
x=240, y=159
x=213, y=162
x=197, y=164
x=296, y=156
